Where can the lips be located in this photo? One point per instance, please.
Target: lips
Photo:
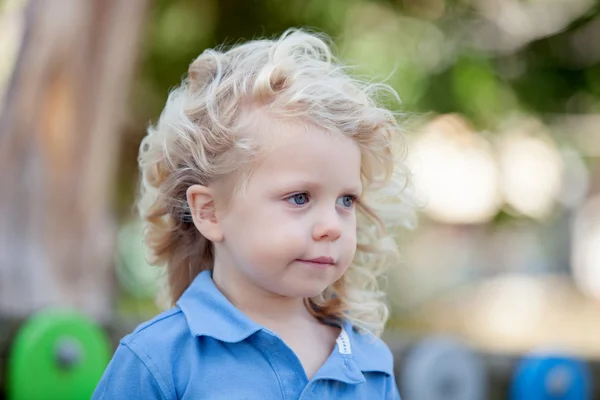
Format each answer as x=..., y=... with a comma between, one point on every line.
x=320, y=261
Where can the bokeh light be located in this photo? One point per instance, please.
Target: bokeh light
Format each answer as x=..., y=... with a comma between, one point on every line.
x=531, y=169
x=456, y=169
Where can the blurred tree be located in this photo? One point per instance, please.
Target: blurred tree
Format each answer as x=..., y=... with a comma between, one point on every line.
x=59, y=140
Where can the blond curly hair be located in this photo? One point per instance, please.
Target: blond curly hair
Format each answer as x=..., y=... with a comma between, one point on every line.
x=196, y=141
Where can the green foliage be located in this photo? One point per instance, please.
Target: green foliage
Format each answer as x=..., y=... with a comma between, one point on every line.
x=426, y=49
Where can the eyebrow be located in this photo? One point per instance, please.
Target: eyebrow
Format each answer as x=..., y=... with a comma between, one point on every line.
x=354, y=189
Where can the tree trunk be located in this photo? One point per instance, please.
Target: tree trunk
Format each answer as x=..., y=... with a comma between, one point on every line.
x=59, y=144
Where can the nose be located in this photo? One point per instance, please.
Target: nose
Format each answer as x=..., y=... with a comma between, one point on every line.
x=329, y=228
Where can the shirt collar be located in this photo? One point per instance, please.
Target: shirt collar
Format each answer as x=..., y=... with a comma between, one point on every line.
x=369, y=352
x=356, y=353
x=210, y=313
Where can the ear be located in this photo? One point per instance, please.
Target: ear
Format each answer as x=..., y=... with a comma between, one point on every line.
x=202, y=207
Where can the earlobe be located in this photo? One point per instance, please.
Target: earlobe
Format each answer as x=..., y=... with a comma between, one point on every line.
x=202, y=208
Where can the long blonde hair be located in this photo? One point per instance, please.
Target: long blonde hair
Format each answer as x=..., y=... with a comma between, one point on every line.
x=196, y=141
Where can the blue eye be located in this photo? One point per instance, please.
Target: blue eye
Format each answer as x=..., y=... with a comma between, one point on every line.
x=298, y=199
x=346, y=201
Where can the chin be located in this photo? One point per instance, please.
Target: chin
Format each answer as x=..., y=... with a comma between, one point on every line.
x=306, y=290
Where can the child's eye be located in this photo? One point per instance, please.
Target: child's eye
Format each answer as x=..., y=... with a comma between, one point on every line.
x=346, y=200
x=298, y=199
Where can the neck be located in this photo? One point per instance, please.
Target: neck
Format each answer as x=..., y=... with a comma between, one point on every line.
x=266, y=308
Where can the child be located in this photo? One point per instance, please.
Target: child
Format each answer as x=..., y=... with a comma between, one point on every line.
x=258, y=194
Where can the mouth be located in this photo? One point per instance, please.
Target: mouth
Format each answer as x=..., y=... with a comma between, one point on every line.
x=319, y=262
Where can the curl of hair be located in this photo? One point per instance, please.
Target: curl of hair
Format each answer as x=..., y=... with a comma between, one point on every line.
x=197, y=140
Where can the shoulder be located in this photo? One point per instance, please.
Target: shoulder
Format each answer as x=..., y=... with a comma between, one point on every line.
x=166, y=326
x=146, y=358
x=163, y=341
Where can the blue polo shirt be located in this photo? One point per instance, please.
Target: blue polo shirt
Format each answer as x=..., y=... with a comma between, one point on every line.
x=205, y=348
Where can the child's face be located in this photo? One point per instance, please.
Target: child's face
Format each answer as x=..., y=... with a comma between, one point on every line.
x=298, y=206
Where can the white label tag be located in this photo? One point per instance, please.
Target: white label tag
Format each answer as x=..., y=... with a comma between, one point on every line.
x=343, y=343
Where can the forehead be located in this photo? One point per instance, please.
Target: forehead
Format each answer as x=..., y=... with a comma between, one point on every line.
x=305, y=152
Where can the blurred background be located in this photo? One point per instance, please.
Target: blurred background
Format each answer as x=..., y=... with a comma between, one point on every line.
x=501, y=104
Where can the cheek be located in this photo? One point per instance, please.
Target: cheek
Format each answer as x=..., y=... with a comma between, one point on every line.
x=283, y=236
x=269, y=236
x=350, y=249
x=349, y=241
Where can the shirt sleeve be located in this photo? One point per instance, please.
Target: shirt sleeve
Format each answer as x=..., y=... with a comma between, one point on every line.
x=392, y=389
x=127, y=377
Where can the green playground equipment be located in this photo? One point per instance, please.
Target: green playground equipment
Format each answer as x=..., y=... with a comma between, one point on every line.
x=56, y=354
